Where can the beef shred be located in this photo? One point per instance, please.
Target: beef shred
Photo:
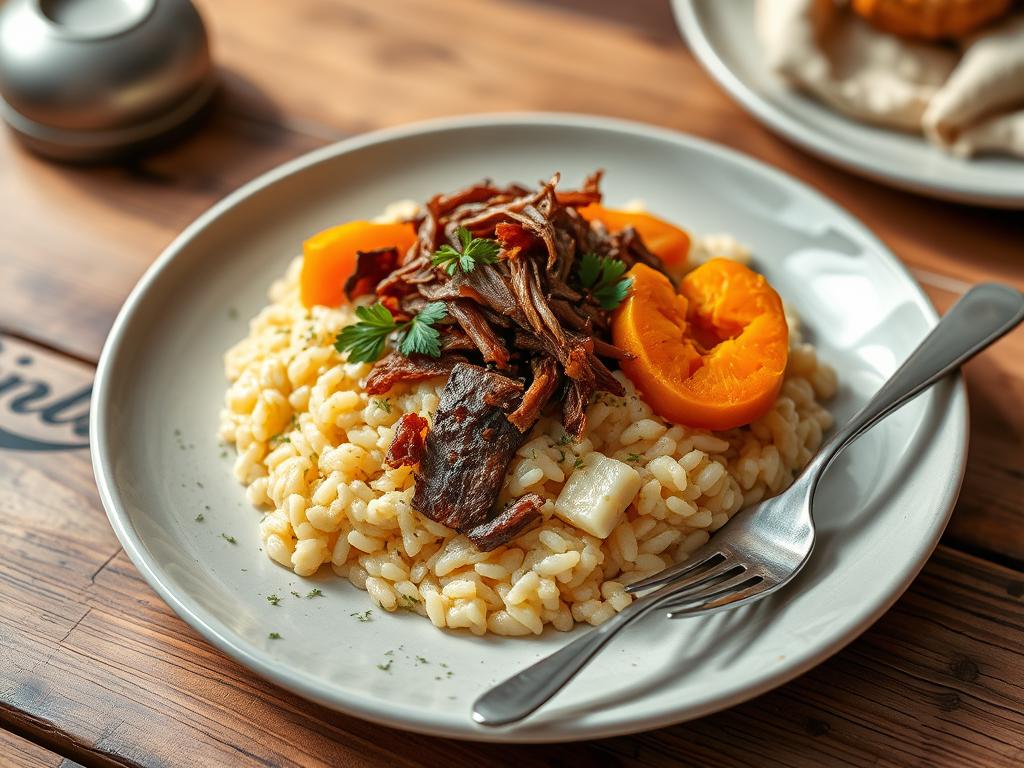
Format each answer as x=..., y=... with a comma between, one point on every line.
x=544, y=339
x=406, y=447
x=516, y=518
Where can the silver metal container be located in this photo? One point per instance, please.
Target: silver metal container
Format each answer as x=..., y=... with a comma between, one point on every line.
x=89, y=80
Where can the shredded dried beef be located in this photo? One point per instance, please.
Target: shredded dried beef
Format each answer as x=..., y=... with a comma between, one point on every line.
x=543, y=338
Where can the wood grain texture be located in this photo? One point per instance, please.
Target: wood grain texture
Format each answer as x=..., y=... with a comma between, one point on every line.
x=94, y=667
x=16, y=752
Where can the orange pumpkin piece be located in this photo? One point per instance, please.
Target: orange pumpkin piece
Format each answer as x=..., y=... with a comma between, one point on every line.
x=329, y=257
x=667, y=242
x=711, y=356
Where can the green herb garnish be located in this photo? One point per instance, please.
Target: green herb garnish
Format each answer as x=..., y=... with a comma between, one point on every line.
x=601, y=276
x=382, y=404
x=315, y=592
x=274, y=636
x=229, y=539
x=363, y=617
x=475, y=250
x=365, y=341
x=577, y=464
x=633, y=458
x=386, y=667
x=273, y=599
x=200, y=517
x=295, y=594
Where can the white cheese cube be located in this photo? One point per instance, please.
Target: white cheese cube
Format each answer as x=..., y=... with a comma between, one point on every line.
x=595, y=495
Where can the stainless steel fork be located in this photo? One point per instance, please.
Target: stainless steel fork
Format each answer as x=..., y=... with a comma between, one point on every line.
x=765, y=546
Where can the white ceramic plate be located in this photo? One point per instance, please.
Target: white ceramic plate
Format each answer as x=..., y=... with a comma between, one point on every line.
x=721, y=36
x=159, y=387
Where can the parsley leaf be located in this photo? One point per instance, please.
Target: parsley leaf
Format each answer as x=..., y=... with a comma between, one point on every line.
x=601, y=276
x=365, y=340
x=420, y=334
x=475, y=250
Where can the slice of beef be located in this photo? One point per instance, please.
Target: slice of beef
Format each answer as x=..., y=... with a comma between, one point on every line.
x=469, y=449
x=406, y=447
x=545, y=381
x=395, y=367
x=517, y=518
x=371, y=268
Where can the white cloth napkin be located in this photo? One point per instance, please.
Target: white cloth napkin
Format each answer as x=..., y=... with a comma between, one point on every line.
x=966, y=101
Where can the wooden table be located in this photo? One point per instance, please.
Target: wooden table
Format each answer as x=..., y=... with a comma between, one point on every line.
x=95, y=669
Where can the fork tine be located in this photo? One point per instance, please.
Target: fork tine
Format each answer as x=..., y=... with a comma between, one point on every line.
x=704, y=558
x=705, y=580
x=738, y=588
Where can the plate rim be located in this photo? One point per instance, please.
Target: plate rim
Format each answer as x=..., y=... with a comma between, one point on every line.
x=238, y=650
x=761, y=108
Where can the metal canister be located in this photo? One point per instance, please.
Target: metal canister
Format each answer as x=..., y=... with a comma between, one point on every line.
x=88, y=80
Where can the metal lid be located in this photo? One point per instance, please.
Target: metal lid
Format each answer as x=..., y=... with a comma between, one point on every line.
x=94, y=79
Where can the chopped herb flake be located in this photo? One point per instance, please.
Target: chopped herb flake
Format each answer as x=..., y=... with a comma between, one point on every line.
x=200, y=517
x=229, y=539
x=315, y=592
x=274, y=636
x=364, y=616
x=386, y=667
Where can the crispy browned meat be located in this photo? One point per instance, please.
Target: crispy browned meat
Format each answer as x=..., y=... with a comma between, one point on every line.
x=371, y=268
x=473, y=322
x=469, y=448
x=406, y=447
x=393, y=368
x=545, y=381
x=514, y=520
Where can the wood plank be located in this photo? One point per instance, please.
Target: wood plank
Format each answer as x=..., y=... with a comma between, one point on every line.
x=92, y=661
x=82, y=236
x=987, y=515
x=16, y=752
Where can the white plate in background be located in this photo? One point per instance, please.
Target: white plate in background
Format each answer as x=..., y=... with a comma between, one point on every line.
x=721, y=35
x=160, y=385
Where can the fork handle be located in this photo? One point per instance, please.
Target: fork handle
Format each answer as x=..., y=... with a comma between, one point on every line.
x=521, y=694
x=984, y=314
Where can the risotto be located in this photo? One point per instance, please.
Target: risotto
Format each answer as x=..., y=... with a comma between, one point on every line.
x=312, y=443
